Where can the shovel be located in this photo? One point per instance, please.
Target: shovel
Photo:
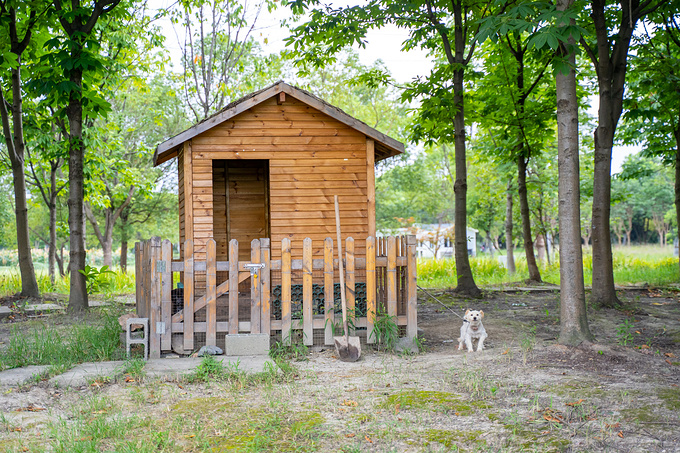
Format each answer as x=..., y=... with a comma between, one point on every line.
x=347, y=348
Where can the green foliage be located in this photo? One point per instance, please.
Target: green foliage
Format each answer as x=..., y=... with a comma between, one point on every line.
x=624, y=333
x=96, y=278
x=209, y=369
x=385, y=331
x=47, y=345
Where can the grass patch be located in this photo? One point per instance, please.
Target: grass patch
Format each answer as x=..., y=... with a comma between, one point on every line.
x=46, y=345
x=433, y=401
x=649, y=263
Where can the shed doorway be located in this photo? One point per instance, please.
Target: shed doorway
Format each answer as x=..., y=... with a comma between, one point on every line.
x=241, y=204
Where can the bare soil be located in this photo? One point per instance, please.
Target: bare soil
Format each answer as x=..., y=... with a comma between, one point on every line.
x=525, y=392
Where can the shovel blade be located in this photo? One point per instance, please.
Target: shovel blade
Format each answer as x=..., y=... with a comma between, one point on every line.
x=348, y=349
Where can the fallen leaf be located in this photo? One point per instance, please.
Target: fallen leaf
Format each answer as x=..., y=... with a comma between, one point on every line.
x=638, y=332
x=614, y=426
x=575, y=403
x=644, y=346
x=99, y=412
x=368, y=439
x=31, y=408
x=190, y=436
x=350, y=435
x=350, y=403
x=84, y=439
x=129, y=379
x=668, y=362
x=180, y=386
x=16, y=429
x=396, y=409
x=620, y=434
x=505, y=352
x=669, y=354
x=24, y=449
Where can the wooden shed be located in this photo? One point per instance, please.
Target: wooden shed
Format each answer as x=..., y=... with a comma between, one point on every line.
x=268, y=166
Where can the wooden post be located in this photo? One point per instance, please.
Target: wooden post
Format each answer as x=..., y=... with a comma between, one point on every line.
x=370, y=184
x=328, y=293
x=139, y=305
x=233, y=287
x=166, y=295
x=411, y=288
x=255, y=294
x=371, y=309
x=188, y=295
x=188, y=192
x=211, y=293
x=350, y=284
x=146, y=277
x=155, y=309
x=307, y=317
x=285, y=292
x=391, y=276
x=265, y=321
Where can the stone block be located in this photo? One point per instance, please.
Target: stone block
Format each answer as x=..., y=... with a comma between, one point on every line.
x=246, y=344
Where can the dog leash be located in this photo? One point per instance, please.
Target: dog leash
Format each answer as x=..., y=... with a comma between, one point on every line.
x=441, y=303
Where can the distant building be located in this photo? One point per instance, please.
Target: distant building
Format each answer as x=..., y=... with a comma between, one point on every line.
x=439, y=239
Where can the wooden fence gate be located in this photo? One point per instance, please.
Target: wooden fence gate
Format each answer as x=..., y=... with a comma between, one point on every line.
x=191, y=302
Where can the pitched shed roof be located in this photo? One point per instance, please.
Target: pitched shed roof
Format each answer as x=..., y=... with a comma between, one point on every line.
x=385, y=146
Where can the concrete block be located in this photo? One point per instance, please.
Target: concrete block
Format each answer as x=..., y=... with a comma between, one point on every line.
x=246, y=344
x=5, y=312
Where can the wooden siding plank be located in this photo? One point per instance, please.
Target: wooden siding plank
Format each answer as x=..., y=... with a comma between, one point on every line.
x=265, y=247
x=188, y=194
x=411, y=288
x=189, y=295
x=166, y=295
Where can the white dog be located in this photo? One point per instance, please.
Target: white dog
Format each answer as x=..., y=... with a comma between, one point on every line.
x=472, y=328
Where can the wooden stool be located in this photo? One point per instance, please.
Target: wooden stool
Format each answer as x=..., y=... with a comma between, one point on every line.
x=144, y=322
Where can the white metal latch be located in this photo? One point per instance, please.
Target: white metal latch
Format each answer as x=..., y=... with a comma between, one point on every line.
x=254, y=268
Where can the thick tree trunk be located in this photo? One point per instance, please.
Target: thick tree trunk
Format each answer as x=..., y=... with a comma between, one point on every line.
x=534, y=273
x=573, y=314
x=78, y=291
x=16, y=146
x=508, y=229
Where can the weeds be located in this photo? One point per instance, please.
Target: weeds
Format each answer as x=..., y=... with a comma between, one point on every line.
x=385, y=331
x=624, y=333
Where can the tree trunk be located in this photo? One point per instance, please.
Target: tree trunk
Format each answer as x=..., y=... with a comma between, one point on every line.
x=534, y=274
x=466, y=283
x=52, y=246
x=677, y=180
x=16, y=145
x=573, y=314
x=508, y=229
x=78, y=290
x=123, y=240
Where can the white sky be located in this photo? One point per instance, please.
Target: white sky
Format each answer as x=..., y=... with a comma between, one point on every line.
x=384, y=44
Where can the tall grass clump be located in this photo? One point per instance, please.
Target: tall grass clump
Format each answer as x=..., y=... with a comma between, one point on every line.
x=116, y=282
x=45, y=345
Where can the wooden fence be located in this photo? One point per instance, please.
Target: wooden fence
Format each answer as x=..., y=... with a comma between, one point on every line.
x=279, y=297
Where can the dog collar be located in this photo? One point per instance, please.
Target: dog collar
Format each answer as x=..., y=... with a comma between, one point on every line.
x=465, y=320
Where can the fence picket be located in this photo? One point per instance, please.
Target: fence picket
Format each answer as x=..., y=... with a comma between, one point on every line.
x=328, y=293
x=307, y=327
x=255, y=296
x=188, y=295
x=350, y=284
x=211, y=293
x=166, y=295
x=411, y=289
x=286, y=332
x=371, y=311
x=391, y=276
x=265, y=321
x=155, y=311
x=233, y=287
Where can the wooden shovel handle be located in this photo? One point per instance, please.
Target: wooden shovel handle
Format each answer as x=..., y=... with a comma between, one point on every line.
x=341, y=268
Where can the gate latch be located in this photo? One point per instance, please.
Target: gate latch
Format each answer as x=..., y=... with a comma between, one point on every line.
x=254, y=268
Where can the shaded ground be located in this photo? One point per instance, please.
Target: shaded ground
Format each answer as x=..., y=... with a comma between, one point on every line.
x=524, y=393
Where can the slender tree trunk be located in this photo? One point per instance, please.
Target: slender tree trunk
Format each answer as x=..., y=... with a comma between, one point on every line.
x=573, y=314
x=534, y=273
x=677, y=180
x=16, y=146
x=123, y=240
x=508, y=229
x=78, y=300
x=52, y=247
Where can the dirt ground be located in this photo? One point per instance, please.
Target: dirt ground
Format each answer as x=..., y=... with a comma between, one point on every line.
x=524, y=393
